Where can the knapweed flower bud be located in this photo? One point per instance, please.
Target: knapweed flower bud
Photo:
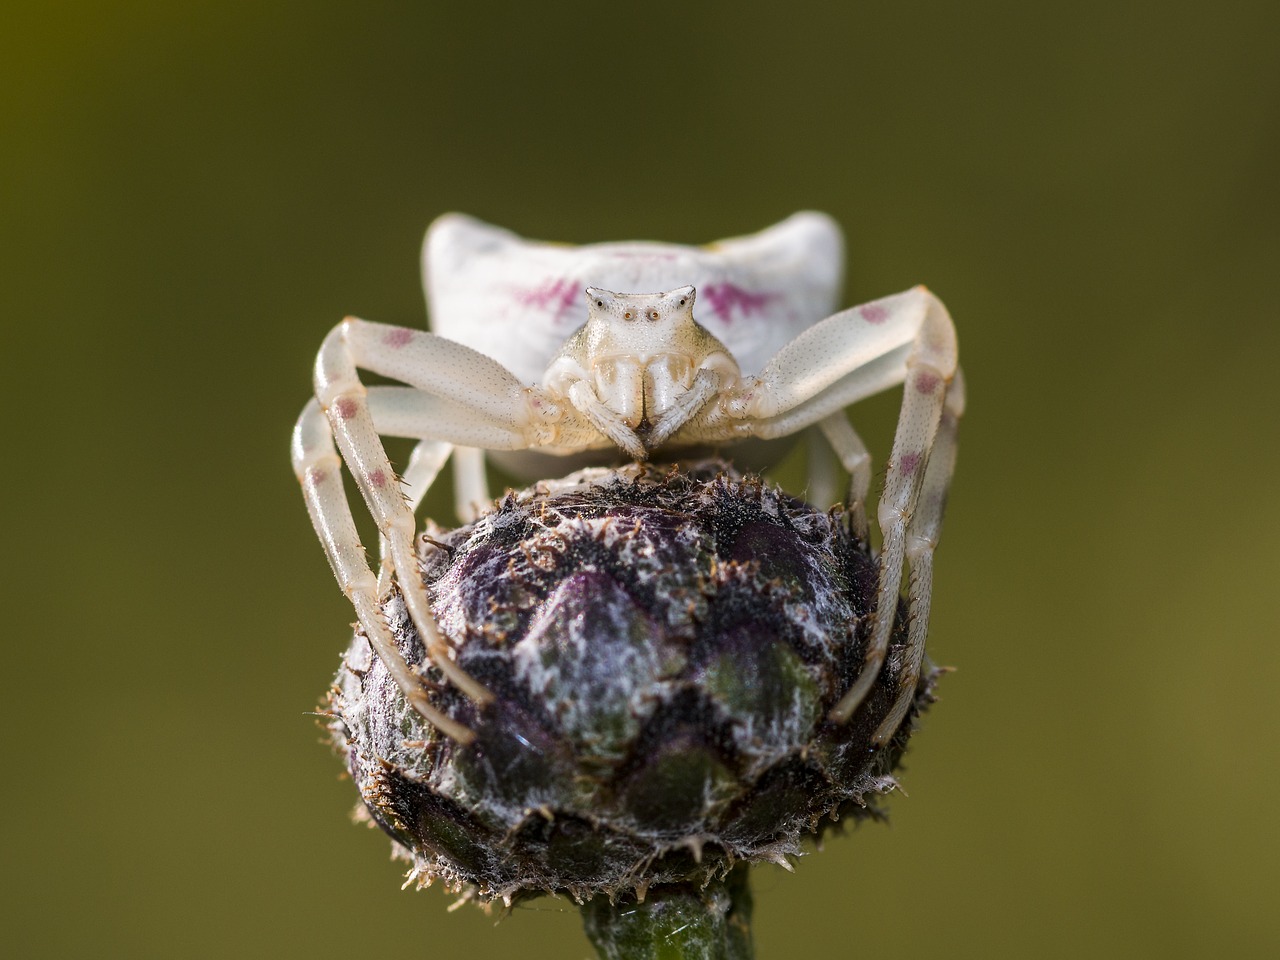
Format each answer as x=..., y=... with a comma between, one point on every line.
x=663, y=647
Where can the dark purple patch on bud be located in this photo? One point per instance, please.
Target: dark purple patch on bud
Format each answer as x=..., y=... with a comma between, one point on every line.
x=664, y=649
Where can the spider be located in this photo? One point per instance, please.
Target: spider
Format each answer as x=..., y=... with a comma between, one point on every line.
x=533, y=352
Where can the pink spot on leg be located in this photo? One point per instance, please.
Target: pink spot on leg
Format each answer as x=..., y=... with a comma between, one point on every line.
x=378, y=478
x=345, y=408
x=317, y=477
x=908, y=463
x=724, y=298
x=874, y=313
x=398, y=337
x=927, y=382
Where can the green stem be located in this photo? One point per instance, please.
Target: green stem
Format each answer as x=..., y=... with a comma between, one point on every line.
x=675, y=922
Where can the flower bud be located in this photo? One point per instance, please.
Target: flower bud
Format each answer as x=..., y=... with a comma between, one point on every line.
x=663, y=649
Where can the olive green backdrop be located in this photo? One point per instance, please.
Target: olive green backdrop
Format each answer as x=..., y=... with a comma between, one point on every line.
x=195, y=193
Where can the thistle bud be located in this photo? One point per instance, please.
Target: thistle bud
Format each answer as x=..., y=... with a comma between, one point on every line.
x=664, y=648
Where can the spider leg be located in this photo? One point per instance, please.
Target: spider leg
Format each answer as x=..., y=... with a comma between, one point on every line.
x=471, y=486
x=856, y=460
x=922, y=539
x=822, y=470
x=425, y=463
x=469, y=400
x=319, y=470
x=407, y=412
x=907, y=338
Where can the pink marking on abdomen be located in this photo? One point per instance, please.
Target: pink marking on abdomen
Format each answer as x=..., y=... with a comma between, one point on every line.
x=398, y=337
x=557, y=295
x=874, y=313
x=724, y=298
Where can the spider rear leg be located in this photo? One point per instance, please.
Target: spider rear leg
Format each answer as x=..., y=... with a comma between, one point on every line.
x=856, y=460
x=425, y=463
x=470, y=485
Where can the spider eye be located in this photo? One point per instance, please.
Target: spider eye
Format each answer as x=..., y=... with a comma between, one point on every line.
x=653, y=314
x=600, y=303
x=683, y=301
x=627, y=315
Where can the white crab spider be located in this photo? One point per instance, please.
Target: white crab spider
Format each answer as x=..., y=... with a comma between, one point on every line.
x=512, y=366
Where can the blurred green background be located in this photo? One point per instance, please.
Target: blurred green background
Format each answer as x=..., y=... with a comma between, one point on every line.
x=195, y=193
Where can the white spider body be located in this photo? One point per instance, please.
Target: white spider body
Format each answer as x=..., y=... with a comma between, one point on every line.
x=532, y=351
x=519, y=301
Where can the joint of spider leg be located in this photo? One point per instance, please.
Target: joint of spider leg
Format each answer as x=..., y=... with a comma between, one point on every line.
x=918, y=546
x=335, y=375
x=927, y=378
x=888, y=514
x=744, y=402
x=361, y=583
x=400, y=521
x=542, y=406
x=545, y=417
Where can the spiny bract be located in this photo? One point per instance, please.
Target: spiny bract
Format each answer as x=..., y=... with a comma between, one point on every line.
x=664, y=647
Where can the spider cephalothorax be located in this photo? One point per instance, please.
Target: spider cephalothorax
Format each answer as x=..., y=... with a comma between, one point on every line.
x=641, y=369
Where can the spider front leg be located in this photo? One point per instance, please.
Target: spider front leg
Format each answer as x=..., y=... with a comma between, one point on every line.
x=425, y=463
x=319, y=469
x=922, y=539
x=908, y=338
x=471, y=400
